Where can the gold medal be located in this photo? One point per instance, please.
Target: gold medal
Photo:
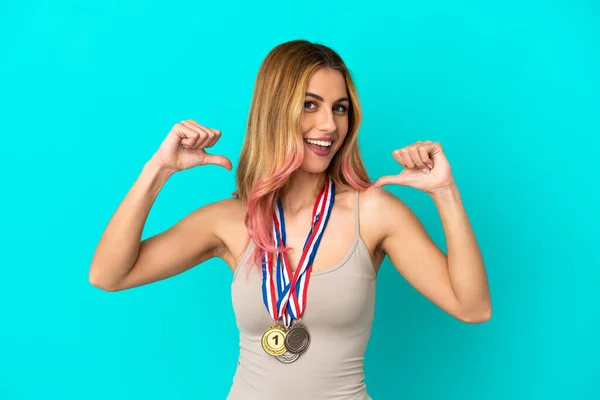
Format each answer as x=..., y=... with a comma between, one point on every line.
x=273, y=340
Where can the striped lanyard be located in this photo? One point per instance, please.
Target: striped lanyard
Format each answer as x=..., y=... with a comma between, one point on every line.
x=289, y=302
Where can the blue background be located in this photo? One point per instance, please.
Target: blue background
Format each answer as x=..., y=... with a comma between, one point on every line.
x=89, y=90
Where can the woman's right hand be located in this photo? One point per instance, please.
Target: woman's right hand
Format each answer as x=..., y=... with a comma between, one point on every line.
x=183, y=148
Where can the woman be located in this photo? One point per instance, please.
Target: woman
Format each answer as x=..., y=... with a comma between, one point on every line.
x=300, y=171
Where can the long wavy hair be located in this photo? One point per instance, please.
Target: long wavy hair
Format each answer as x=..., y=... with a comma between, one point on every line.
x=273, y=147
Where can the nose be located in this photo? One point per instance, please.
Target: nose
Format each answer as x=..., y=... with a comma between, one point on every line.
x=326, y=122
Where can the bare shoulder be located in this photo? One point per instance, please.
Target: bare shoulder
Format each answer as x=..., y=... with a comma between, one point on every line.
x=220, y=215
x=229, y=209
x=230, y=228
x=380, y=201
x=211, y=230
x=381, y=214
x=227, y=214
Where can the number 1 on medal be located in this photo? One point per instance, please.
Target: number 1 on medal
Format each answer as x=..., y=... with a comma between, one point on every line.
x=273, y=340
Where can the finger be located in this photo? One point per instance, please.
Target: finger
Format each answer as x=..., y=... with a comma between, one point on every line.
x=432, y=147
x=215, y=159
x=189, y=135
x=194, y=123
x=212, y=132
x=410, y=164
x=216, y=135
x=389, y=180
x=416, y=157
x=209, y=141
x=202, y=135
x=206, y=138
x=397, y=154
x=425, y=157
x=197, y=132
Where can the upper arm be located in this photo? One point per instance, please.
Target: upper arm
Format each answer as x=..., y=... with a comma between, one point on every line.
x=189, y=242
x=413, y=253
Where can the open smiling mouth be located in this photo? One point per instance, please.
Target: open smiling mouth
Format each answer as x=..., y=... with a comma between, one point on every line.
x=319, y=147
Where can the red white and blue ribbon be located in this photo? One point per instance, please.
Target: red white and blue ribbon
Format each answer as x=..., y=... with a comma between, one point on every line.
x=287, y=299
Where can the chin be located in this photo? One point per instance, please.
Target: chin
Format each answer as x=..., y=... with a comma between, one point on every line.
x=314, y=169
x=315, y=166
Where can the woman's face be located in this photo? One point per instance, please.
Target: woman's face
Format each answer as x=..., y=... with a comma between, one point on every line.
x=324, y=120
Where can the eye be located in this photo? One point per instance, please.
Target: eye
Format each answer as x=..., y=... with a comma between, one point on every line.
x=341, y=108
x=306, y=103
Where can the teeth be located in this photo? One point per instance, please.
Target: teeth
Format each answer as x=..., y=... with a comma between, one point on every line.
x=318, y=142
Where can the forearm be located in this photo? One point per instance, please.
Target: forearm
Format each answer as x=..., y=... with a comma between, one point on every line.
x=119, y=244
x=465, y=262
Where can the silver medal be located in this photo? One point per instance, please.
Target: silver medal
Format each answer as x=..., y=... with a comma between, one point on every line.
x=287, y=357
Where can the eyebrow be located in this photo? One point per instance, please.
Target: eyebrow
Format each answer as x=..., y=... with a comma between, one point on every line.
x=316, y=96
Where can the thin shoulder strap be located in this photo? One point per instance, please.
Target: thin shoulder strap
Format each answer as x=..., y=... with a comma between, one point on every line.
x=356, y=216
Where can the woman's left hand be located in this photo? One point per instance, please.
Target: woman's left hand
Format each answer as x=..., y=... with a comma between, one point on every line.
x=425, y=168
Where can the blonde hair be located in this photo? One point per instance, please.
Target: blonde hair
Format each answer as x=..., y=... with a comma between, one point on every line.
x=273, y=147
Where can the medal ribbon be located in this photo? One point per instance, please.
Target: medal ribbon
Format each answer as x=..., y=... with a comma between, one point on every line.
x=292, y=291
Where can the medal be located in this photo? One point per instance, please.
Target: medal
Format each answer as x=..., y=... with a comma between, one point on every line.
x=292, y=290
x=273, y=340
x=287, y=357
x=297, y=338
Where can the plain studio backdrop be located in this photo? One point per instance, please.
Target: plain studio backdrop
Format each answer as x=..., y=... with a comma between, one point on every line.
x=90, y=89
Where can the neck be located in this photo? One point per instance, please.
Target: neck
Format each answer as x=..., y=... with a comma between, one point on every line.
x=301, y=191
